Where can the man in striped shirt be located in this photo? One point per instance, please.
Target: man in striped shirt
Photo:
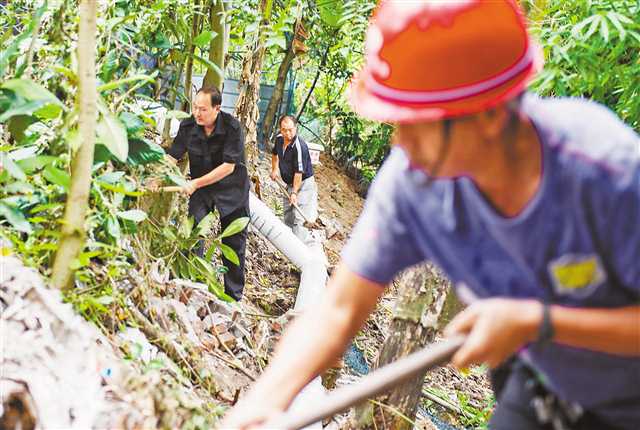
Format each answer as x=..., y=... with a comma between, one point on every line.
x=290, y=160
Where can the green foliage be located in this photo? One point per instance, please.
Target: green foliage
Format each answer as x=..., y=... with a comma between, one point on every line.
x=360, y=143
x=176, y=245
x=473, y=415
x=592, y=50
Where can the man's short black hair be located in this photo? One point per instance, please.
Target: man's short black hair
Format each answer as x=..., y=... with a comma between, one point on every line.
x=214, y=93
x=289, y=117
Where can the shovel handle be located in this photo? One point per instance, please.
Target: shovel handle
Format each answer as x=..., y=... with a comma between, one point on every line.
x=284, y=190
x=371, y=385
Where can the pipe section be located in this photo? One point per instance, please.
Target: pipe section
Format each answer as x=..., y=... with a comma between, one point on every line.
x=313, y=267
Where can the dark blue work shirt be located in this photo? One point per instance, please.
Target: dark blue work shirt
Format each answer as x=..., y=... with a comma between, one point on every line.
x=224, y=145
x=295, y=159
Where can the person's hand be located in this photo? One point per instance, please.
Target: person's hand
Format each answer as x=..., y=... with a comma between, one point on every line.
x=274, y=175
x=293, y=198
x=496, y=329
x=153, y=184
x=190, y=187
x=250, y=414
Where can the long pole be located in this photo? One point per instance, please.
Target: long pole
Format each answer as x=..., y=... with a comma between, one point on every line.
x=371, y=385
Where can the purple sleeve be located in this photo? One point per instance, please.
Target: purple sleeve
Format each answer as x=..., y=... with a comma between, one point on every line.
x=381, y=244
x=623, y=232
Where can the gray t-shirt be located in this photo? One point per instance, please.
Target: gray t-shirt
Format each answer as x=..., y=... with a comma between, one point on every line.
x=576, y=243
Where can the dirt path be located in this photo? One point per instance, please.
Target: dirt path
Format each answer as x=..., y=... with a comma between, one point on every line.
x=338, y=199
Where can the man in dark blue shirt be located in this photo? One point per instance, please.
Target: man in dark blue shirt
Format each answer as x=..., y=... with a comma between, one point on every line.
x=214, y=141
x=290, y=156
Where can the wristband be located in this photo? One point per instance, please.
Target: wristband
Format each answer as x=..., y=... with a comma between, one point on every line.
x=546, y=331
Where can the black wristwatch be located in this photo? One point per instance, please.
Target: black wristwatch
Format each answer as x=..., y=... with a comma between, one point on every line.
x=546, y=331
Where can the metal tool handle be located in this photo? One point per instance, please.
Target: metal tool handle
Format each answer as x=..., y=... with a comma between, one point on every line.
x=371, y=385
x=284, y=189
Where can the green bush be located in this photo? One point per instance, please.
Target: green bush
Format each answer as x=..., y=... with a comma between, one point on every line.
x=592, y=50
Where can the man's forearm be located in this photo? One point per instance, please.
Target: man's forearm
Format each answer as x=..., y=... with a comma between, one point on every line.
x=297, y=182
x=317, y=338
x=274, y=162
x=217, y=174
x=615, y=331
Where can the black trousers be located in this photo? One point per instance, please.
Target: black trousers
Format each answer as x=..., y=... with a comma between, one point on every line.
x=515, y=387
x=199, y=207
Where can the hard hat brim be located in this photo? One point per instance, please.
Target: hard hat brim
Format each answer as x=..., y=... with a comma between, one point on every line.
x=374, y=107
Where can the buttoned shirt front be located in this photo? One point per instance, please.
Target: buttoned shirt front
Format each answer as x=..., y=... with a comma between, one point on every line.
x=224, y=145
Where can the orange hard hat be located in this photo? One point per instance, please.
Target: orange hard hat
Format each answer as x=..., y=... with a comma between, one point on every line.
x=429, y=60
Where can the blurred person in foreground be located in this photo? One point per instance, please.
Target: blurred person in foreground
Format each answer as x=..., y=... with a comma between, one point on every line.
x=530, y=205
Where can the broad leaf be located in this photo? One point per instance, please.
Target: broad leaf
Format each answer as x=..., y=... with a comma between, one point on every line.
x=113, y=227
x=14, y=170
x=29, y=165
x=331, y=12
x=229, y=253
x=160, y=40
x=111, y=177
x=177, y=179
x=134, y=125
x=20, y=188
x=17, y=125
x=15, y=218
x=185, y=229
x=235, y=227
x=24, y=152
x=176, y=114
x=117, y=83
x=205, y=225
x=57, y=177
x=31, y=91
x=113, y=135
x=119, y=188
x=204, y=38
x=143, y=152
x=73, y=139
x=22, y=107
x=213, y=66
x=134, y=215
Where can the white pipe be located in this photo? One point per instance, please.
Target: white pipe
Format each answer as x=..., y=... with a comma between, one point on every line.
x=310, y=260
x=276, y=232
x=313, y=267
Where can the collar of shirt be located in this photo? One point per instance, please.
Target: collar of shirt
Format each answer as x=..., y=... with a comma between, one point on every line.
x=293, y=141
x=198, y=130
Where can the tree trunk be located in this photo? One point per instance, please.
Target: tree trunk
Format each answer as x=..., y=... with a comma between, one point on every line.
x=421, y=297
x=313, y=85
x=73, y=228
x=191, y=48
x=246, y=109
x=278, y=92
x=217, y=46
